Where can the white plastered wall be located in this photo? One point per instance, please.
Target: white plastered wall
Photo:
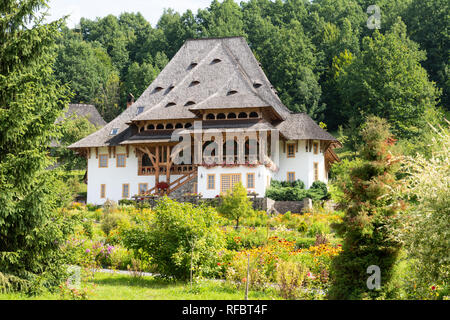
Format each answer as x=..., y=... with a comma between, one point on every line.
x=261, y=175
x=113, y=177
x=302, y=164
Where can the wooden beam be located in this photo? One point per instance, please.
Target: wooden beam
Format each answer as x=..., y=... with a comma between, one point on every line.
x=156, y=165
x=127, y=149
x=96, y=152
x=168, y=164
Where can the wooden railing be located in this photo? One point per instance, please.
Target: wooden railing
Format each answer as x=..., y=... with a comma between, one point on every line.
x=174, y=169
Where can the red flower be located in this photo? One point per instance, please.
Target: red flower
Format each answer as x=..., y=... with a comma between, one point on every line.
x=433, y=288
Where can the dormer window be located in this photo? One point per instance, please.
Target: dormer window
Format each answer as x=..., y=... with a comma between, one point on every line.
x=158, y=89
x=192, y=65
x=189, y=103
x=257, y=85
x=139, y=110
x=170, y=104
x=114, y=131
x=217, y=60
x=169, y=89
x=194, y=83
x=231, y=92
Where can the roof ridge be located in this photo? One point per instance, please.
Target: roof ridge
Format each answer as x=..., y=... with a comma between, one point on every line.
x=189, y=73
x=249, y=80
x=213, y=38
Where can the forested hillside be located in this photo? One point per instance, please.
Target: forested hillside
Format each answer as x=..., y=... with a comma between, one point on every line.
x=320, y=55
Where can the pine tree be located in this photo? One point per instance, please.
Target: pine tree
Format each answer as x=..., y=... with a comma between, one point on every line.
x=369, y=207
x=30, y=102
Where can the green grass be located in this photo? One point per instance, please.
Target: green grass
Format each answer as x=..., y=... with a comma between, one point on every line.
x=125, y=287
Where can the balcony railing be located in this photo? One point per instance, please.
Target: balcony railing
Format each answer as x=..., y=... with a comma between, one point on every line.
x=174, y=169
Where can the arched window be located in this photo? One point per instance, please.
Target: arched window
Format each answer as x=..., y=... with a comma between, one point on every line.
x=213, y=146
x=189, y=103
x=257, y=85
x=170, y=104
x=169, y=126
x=254, y=114
x=194, y=83
x=192, y=65
x=242, y=115
x=217, y=60
x=158, y=89
x=150, y=127
x=230, y=150
x=178, y=126
x=159, y=126
x=188, y=125
x=221, y=116
x=231, y=115
x=210, y=116
x=231, y=92
x=251, y=150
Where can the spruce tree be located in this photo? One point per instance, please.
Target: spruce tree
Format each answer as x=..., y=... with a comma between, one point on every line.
x=30, y=102
x=369, y=208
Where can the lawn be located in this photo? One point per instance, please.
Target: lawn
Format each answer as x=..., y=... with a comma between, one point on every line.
x=126, y=287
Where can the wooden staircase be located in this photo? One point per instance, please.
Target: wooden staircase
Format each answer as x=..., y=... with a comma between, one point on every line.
x=181, y=181
x=174, y=185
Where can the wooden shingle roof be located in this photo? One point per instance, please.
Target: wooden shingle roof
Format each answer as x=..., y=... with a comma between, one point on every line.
x=204, y=74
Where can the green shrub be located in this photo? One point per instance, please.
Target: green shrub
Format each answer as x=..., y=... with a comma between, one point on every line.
x=177, y=232
x=302, y=243
x=245, y=238
x=112, y=221
x=236, y=204
x=127, y=202
x=290, y=279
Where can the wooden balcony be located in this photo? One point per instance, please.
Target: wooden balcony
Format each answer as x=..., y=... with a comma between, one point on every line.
x=174, y=169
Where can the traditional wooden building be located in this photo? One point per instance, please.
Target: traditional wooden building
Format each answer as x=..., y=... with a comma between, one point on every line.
x=209, y=120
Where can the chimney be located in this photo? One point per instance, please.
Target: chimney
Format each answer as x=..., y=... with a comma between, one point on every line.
x=130, y=100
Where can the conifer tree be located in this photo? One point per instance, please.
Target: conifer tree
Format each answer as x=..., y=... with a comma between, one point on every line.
x=369, y=207
x=30, y=102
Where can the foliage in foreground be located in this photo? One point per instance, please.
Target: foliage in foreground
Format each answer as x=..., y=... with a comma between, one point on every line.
x=30, y=102
x=179, y=234
x=425, y=228
x=236, y=204
x=369, y=207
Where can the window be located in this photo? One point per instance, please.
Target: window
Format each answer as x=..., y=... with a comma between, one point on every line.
x=143, y=188
x=227, y=181
x=114, y=131
x=102, y=191
x=121, y=160
x=316, y=147
x=139, y=110
x=103, y=161
x=211, y=182
x=291, y=150
x=316, y=171
x=250, y=180
x=125, y=190
x=291, y=176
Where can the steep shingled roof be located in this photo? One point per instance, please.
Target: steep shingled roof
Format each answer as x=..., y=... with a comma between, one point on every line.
x=85, y=110
x=206, y=73
x=300, y=126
